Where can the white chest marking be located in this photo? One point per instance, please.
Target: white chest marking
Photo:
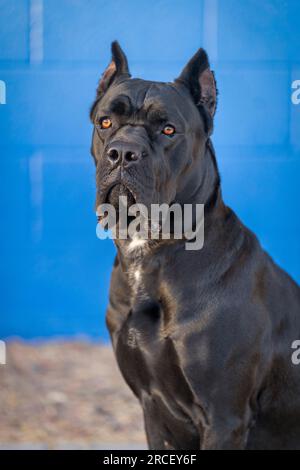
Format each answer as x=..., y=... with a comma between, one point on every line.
x=136, y=243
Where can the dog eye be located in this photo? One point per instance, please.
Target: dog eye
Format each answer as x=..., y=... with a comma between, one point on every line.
x=105, y=123
x=169, y=130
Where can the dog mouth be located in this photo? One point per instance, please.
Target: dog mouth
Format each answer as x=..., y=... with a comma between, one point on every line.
x=118, y=194
x=120, y=190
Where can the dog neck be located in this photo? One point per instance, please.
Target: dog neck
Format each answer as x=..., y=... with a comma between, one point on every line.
x=209, y=192
x=206, y=190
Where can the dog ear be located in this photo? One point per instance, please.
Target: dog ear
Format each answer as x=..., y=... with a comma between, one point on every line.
x=200, y=81
x=117, y=67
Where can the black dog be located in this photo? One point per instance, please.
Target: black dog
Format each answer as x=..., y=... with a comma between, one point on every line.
x=203, y=338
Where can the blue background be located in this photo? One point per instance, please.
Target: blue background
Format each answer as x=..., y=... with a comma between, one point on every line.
x=54, y=271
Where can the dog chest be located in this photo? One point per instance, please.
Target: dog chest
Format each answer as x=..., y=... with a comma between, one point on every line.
x=148, y=360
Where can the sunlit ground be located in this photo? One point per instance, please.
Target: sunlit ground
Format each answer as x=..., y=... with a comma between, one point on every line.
x=66, y=395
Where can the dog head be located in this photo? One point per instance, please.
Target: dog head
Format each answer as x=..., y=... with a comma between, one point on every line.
x=149, y=137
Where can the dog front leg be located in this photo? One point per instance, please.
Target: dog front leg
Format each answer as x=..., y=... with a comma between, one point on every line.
x=157, y=435
x=225, y=433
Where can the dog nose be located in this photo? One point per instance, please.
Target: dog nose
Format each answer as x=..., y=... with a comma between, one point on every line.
x=124, y=154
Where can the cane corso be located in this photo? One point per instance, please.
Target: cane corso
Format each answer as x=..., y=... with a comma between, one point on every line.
x=202, y=337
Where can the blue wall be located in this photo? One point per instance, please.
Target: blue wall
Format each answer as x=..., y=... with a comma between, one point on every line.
x=54, y=271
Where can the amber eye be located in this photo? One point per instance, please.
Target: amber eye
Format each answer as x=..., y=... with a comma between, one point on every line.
x=169, y=130
x=105, y=123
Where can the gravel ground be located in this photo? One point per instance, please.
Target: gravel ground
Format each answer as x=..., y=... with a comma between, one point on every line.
x=66, y=395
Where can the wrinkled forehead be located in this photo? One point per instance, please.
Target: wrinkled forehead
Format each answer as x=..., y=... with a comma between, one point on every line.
x=157, y=100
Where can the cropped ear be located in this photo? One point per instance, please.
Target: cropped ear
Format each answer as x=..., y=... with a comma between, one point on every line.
x=117, y=67
x=200, y=81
